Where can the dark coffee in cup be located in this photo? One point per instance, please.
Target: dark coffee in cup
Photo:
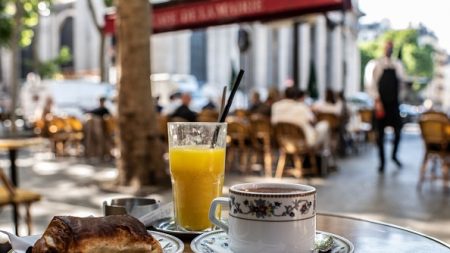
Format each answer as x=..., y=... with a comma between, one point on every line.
x=272, y=190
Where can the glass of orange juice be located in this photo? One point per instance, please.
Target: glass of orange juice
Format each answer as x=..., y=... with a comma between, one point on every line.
x=197, y=166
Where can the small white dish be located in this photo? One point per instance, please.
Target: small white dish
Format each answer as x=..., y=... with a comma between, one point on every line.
x=169, y=243
x=217, y=242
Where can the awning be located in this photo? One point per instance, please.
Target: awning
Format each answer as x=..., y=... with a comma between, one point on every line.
x=204, y=13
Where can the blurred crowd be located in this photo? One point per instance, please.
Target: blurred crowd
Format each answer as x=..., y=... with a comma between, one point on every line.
x=328, y=126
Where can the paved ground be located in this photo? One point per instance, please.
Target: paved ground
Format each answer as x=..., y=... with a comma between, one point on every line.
x=70, y=187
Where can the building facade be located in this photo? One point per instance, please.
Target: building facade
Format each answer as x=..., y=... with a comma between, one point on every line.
x=279, y=53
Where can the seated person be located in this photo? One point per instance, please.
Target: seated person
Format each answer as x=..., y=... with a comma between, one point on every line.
x=183, y=110
x=210, y=105
x=98, y=142
x=101, y=110
x=158, y=107
x=174, y=103
x=289, y=110
x=257, y=106
x=329, y=105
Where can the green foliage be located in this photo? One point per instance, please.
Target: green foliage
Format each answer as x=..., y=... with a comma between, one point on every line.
x=108, y=3
x=417, y=59
x=29, y=19
x=51, y=68
x=5, y=24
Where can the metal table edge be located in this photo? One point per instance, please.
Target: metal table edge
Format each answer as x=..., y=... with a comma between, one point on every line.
x=384, y=224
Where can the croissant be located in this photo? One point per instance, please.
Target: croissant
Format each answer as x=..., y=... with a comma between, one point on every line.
x=110, y=234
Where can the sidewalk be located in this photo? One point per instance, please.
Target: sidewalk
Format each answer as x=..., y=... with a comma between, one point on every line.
x=70, y=187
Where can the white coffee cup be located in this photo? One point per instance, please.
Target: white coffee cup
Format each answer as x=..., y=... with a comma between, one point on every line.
x=269, y=217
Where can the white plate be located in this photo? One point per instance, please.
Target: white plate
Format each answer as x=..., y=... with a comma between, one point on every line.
x=169, y=243
x=217, y=242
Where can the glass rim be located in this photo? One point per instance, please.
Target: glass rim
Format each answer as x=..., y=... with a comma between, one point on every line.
x=300, y=189
x=198, y=123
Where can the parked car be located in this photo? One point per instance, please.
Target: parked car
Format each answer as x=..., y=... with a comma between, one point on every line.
x=163, y=85
x=70, y=97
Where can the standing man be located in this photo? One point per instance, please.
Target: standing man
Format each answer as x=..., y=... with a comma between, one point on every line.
x=387, y=81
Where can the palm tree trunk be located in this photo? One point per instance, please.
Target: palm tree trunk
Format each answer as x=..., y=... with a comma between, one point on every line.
x=141, y=161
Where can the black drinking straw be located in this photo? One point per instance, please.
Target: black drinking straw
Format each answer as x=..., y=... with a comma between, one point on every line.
x=225, y=111
x=222, y=102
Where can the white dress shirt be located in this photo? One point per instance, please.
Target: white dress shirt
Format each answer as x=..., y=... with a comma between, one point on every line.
x=291, y=111
x=379, y=66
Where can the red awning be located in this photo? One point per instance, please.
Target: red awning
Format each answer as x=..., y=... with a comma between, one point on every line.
x=197, y=14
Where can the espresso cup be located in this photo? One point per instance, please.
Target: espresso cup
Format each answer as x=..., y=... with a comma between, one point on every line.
x=269, y=217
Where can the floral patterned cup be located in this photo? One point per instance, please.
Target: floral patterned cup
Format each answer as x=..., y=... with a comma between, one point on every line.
x=269, y=217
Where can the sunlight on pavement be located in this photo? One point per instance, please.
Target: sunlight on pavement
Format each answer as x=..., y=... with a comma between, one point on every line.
x=81, y=170
x=47, y=168
x=25, y=162
x=108, y=174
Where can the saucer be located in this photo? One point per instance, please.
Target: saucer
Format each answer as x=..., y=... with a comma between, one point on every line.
x=217, y=242
x=168, y=226
x=169, y=243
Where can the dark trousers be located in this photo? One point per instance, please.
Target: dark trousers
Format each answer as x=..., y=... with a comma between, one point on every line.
x=395, y=122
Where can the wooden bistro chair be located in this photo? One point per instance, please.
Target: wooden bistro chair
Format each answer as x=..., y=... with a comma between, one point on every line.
x=261, y=136
x=366, y=116
x=59, y=132
x=75, y=135
x=207, y=115
x=237, y=133
x=10, y=195
x=334, y=122
x=433, y=127
x=291, y=141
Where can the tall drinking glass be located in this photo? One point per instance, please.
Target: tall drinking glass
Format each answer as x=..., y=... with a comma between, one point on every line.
x=197, y=166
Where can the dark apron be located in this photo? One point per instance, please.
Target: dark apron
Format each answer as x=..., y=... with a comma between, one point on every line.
x=389, y=89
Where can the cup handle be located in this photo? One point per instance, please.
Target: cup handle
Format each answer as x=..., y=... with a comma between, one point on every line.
x=224, y=201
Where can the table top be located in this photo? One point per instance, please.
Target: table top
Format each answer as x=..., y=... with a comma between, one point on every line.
x=370, y=236
x=367, y=236
x=11, y=142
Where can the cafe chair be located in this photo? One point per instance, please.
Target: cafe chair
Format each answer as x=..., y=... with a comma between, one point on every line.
x=366, y=116
x=10, y=195
x=237, y=148
x=207, y=115
x=162, y=124
x=261, y=136
x=241, y=114
x=74, y=130
x=291, y=141
x=433, y=127
x=334, y=122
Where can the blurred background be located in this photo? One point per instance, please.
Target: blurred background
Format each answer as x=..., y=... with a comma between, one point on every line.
x=59, y=57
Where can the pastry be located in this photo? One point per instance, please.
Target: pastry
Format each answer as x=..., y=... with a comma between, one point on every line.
x=110, y=234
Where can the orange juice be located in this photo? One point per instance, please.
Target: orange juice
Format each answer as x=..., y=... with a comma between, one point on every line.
x=197, y=178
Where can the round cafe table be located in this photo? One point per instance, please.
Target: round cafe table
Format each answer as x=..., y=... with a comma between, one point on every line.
x=13, y=142
x=371, y=236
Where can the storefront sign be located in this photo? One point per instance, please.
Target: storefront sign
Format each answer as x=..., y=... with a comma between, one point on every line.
x=195, y=14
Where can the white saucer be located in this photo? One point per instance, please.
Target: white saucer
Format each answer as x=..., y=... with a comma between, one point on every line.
x=217, y=242
x=169, y=243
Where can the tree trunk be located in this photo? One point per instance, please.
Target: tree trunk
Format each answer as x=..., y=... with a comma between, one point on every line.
x=102, y=42
x=35, y=47
x=141, y=161
x=103, y=76
x=15, y=48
